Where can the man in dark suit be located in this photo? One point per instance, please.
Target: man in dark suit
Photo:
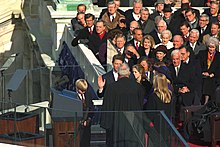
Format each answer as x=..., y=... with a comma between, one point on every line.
x=146, y=24
x=131, y=55
x=204, y=27
x=184, y=29
x=185, y=4
x=123, y=95
x=133, y=14
x=193, y=43
x=177, y=43
x=191, y=18
x=183, y=83
x=79, y=23
x=81, y=8
x=215, y=29
x=83, y=36
x=109, y=77
x=195, y=71
x=85, y=124
x=97, y=39
x=137, y=38
x=213, y=11
x=159, y=6
x=129, y=35
x=156, y=33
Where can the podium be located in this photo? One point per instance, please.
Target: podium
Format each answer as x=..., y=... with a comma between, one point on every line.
x=66, y=114
x=20, y=128
x=24, y=122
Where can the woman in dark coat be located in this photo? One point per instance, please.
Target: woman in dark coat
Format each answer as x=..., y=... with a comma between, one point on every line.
x=161, y=98
x=210, y=64
x=147, y=48
x=141, y=78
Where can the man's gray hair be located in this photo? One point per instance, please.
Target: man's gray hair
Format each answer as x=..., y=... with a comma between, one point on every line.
x=195, y=31
x=138, y=1
x=124, y=70
x=175, y=52
x=206, y=16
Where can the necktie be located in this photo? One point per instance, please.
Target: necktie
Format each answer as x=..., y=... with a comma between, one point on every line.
x=90, y=31
x=136, y=46
x=119, y=51
x=112, y=18
x=177, y=70
x=202, y=30
x=83, y=100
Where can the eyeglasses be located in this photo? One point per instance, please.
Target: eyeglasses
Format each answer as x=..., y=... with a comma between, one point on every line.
x=202, y=20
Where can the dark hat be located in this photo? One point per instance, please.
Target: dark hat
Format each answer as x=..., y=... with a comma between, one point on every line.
x=167, y=8
x=163, y=70
x=161, y=48
x=159, y=2
x=185, y=6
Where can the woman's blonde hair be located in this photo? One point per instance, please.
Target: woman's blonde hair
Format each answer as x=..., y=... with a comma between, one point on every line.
x=81, y=84
x=161, y=89
x=150, y=38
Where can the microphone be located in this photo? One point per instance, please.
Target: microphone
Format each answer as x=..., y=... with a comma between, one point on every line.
x=62, y=81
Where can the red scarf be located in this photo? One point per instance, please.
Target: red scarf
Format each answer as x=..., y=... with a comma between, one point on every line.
x=101, y=35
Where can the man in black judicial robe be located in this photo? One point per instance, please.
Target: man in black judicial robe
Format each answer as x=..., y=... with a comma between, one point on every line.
x=124, y=128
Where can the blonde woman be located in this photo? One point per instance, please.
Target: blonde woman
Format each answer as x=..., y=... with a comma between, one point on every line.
x=147, y=47
x=161, y=98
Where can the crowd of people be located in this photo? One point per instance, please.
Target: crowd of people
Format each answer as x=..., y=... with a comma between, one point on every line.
x=162, y=60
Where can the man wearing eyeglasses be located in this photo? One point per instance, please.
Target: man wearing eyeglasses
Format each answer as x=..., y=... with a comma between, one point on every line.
x=204, y=27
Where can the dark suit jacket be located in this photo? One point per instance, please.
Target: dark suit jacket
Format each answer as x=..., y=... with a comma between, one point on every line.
x=174, y=25
x=155, y=36
x=207, y=31
x=132, y=43
x=184, y=78
x=154, y=14
x=109, y=78
x=85, y=131
x=83, y=36
x=196, y=71
x=95, y=42
x=199, y=46
x=147, y=3
x=147, y=26
x=76, y=26
x=211, y=18
x=142, y=52
x=178, y=12
x=129, y=17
